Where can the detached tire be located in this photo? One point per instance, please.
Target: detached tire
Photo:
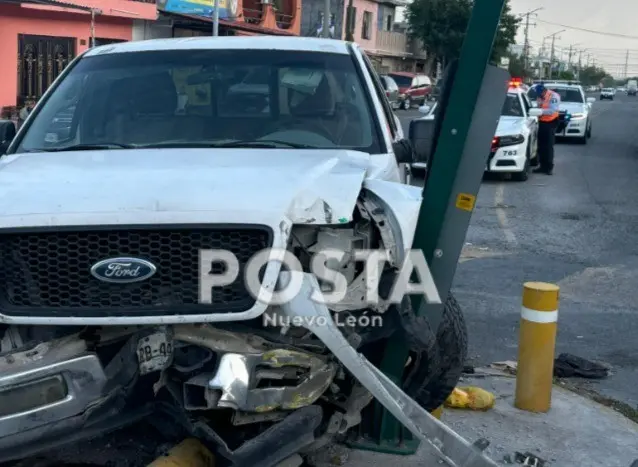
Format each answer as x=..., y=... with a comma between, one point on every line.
x=431, y=379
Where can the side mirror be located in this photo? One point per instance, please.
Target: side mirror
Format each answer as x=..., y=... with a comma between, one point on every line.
x=403, y=151
x=422, y=137
x=534, y=104
x=591, y=100
x=424, y=109
x=7, y=133
x=535, y=112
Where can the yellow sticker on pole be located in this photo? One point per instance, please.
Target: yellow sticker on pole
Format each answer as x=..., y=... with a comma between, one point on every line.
x=465, y=201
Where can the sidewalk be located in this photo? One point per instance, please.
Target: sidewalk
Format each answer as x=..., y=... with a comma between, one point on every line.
x=576, y=432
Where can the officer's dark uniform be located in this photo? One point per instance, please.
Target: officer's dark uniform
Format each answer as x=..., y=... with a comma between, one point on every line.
x=549, y=102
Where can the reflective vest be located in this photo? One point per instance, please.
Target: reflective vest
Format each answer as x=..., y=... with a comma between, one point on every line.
x=549, y=101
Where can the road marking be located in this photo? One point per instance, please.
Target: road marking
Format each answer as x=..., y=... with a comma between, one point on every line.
x=501, y=216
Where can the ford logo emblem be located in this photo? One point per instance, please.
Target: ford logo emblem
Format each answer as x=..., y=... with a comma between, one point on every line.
x=123, y=270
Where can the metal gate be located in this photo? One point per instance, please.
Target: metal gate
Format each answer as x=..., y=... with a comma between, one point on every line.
x=40, y=60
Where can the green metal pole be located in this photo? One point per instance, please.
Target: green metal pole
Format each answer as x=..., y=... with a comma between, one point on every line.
x=381, y=431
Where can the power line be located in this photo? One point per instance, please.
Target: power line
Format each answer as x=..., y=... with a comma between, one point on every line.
x=592, y=31
x=602, y=49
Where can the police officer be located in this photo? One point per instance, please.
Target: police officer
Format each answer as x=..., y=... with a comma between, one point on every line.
x=549, y=102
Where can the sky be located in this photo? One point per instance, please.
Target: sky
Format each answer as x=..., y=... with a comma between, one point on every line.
x=609, y=20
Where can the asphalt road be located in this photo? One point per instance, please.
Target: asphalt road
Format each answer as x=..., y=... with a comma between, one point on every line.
x=577, y=228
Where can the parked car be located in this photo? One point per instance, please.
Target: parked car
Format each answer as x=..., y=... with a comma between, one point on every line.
x=414, y=88
x=575, y=111
x=515, y=145
x=391, y=90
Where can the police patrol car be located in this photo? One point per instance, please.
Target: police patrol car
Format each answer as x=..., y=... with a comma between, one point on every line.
x=576, y=104
x=515, y=144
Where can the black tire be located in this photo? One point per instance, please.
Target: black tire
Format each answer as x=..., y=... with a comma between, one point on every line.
x=433, y=377
x=524, y=174
x=406, y=104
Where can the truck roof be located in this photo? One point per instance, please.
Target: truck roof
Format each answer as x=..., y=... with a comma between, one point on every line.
x=303, y=44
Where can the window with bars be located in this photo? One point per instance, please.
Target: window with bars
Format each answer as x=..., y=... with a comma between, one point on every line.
x=366, y=29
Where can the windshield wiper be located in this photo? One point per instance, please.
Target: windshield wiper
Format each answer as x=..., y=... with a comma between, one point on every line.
x=263, y=144
x=86, y=147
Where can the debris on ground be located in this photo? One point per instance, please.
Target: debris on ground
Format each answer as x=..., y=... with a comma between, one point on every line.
x=470, y=397
x=527, y=458
x=331, y=455
x=565, y=366
x=508, y=366
x=568, y=365
x=188, y=453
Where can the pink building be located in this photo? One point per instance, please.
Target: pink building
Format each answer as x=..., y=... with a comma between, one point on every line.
x=388, y=46
x=365, y=22
x=38, y=41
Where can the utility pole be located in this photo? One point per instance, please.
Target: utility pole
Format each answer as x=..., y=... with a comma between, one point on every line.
x=350, y=21
x=326, y=18
x=216, y=18
x=580, y=62
x=551, y=60
x=541, y=52
x=626, y=70
x=526, y=45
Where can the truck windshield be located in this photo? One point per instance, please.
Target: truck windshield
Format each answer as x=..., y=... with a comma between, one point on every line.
x=200, y=97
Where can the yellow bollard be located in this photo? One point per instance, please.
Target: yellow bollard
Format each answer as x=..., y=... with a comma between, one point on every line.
x=188, y=453
x=536, y=344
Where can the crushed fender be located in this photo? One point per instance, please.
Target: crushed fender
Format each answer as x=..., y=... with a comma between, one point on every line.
x=188, y=453
x=470, y=397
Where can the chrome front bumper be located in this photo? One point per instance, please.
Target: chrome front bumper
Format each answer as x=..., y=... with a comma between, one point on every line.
x=47, y=384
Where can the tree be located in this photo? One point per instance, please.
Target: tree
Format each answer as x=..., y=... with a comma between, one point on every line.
x=506, y=35
x=567, y=75
x=517, y=67
x=593, y=76
x=441, y=26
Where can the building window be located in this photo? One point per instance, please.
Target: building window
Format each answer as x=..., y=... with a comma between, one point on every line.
x=366, y=29
x=103, y=41
x=389, y=20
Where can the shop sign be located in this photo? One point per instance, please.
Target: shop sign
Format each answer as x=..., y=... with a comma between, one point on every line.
x=227, y=8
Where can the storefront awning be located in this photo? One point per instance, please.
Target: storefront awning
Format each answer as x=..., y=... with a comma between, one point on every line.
x=231, y=24
x=58, y=3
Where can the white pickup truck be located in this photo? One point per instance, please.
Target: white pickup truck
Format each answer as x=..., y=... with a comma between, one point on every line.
x=112, y=310
x=632, y=87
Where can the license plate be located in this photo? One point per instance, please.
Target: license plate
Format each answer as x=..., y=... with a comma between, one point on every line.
x=155, y=352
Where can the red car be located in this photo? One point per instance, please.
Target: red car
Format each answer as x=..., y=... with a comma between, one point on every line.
x=413, y=88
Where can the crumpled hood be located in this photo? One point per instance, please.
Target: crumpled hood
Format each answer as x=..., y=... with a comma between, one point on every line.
x=180, y=185
x=509, y=126
x=573, y=107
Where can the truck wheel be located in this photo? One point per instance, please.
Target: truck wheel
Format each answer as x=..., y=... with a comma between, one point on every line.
x=407, y=104
x=433, y=374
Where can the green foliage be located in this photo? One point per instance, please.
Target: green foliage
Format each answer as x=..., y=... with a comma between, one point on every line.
x=566, y=75
x=593, y=76
x=441, y=26
x=517, y=67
